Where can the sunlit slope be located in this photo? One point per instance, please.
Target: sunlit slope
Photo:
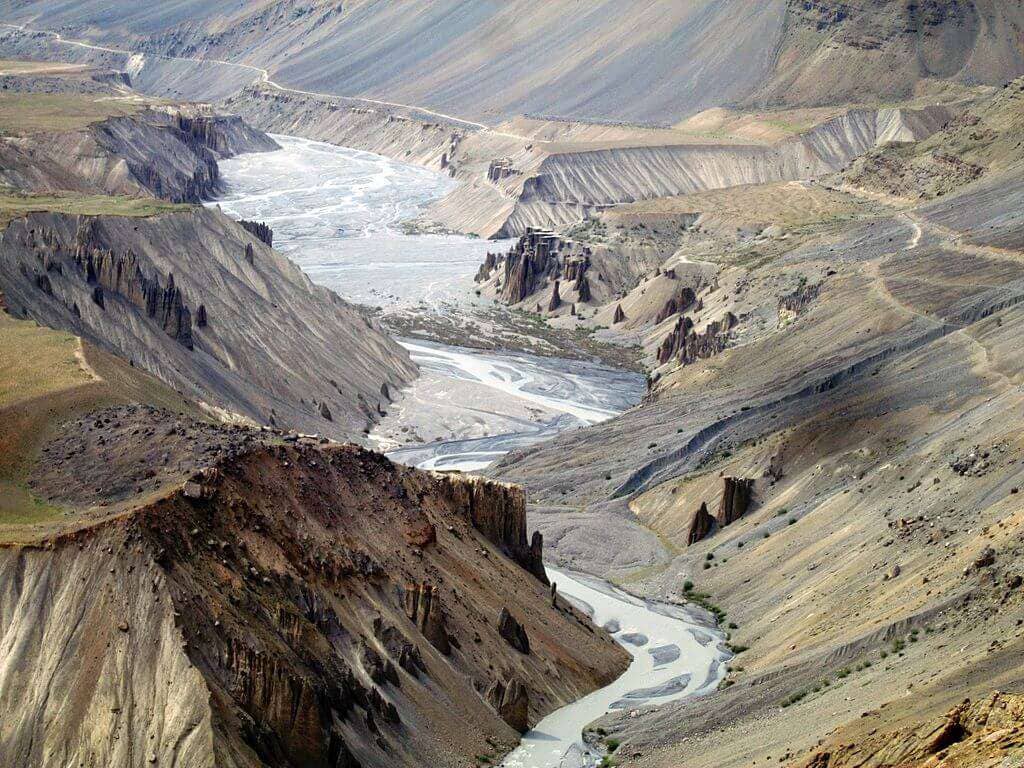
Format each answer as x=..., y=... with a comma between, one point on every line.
x=646, y=60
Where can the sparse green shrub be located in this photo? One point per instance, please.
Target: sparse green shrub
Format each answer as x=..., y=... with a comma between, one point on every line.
x=794, y=698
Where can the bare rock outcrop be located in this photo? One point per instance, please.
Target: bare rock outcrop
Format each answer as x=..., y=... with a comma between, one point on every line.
x=984, y=732
x=687, y=346
x=499, y=169
x=797, y=301
x=379, y=669
x=422, y=605
x=701, y=525
x=511, y=700
x=259, y=230
x=583, y=289
x=680, y=302
x=513, y=632
x=529, y=265
x=485, y=270
x=498, y=511
x=399, y=648
x=737, y=495
x=556, y=299
x=538, y=258
x=120, y=275
x=620, y=316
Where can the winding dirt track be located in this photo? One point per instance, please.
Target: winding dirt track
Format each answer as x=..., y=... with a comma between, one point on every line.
x=264, y=77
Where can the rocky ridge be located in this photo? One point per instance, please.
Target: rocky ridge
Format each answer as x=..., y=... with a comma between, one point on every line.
x=165, y=153
x=191, y=315
x=272, y=589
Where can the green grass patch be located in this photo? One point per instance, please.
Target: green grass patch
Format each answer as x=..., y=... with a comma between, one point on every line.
x=13, y=206
x=22, y=114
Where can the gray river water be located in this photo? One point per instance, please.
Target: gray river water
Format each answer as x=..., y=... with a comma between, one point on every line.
x=337, y=213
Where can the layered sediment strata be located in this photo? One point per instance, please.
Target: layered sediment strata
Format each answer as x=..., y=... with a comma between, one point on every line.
x=109, y=279
x=171, y=154
x=256, y=617
x=685, y=345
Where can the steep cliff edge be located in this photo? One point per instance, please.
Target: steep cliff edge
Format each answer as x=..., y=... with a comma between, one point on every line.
x=105, y=144
x=207, y=307
x=274, y=611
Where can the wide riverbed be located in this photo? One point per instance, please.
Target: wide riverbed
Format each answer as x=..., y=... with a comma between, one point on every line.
x=337, y=213
x=676, y=654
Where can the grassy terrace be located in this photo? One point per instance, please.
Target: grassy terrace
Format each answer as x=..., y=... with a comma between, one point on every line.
x=13, y=205
x=22, y=114
x=48, y=377
x=37, y=365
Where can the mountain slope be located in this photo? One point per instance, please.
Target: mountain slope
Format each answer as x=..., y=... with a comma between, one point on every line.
x=184, y=292
x=651, y=60
x=829, y=453
x=203, y=595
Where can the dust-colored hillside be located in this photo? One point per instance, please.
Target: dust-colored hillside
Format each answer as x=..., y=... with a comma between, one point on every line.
x=981, y=140
x=829, y=455
x=208, y=596
x=654, y=61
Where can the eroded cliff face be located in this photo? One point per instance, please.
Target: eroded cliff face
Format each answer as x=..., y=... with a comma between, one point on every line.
x=554, y=275
x=206, y=306
x=167, y=153
x=287, y=607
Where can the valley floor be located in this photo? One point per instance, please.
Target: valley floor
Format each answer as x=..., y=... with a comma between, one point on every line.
x=827, y=304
